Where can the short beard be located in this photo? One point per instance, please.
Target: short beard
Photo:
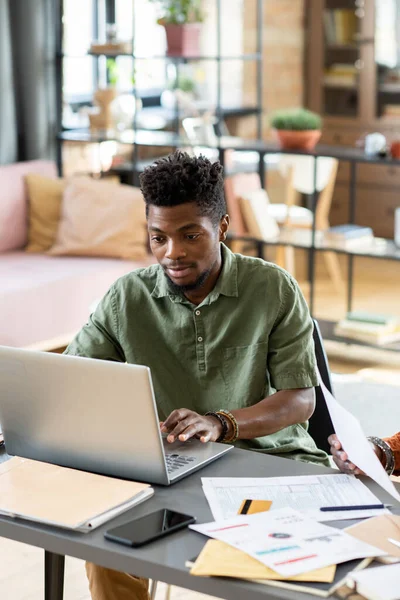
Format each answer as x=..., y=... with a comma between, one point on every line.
x=191, y=287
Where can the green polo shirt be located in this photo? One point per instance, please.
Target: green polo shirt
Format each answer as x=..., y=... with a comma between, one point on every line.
x=251, y=336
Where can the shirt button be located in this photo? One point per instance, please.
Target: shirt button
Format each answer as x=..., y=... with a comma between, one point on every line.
x=198, y=312
x=200, y=339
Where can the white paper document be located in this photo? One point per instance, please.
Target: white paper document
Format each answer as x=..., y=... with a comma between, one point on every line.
x=287, y=541
x=356, y=445
x=307, y=493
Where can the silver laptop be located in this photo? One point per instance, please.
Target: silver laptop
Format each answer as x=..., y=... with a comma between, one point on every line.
x=93, y=415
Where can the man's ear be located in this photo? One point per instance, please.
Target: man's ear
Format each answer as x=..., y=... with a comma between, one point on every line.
x=223, y=228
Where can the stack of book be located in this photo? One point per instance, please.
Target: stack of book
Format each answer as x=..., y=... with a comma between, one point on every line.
x=341, y=75
x=348, y=236
x=369, y=328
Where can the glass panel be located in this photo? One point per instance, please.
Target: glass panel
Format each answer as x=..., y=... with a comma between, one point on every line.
x=78, y=27
x=342, y=32
x=387, y=57
x=149, y=41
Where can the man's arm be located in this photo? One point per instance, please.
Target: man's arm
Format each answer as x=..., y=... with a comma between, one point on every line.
x=292, y=370
x=99, y=338
x=272, y=414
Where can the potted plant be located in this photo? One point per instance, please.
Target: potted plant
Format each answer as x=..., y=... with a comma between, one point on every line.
x=182, y=22
x=180, y=91
x=296, y=129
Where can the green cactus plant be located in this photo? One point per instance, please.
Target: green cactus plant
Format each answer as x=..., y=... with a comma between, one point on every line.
x=295, y=119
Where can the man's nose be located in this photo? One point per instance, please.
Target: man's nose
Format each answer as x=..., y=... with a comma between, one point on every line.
x=175, y=250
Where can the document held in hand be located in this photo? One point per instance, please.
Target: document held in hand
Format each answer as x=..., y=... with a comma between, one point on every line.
x=355, y=444
x=64, y=497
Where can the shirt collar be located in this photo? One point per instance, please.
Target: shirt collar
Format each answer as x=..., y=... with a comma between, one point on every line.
x=226, y=285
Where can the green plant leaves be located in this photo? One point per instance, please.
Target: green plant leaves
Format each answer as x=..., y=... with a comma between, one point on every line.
x=295, y=119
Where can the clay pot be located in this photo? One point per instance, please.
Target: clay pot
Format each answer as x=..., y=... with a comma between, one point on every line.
x=298, y=140
x=395, y=149
x=183, y=40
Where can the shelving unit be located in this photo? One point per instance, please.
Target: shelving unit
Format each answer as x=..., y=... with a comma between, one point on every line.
x=135, y=136
x=351, y=111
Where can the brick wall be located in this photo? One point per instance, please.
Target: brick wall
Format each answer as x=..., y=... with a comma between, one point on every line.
x=283, y=50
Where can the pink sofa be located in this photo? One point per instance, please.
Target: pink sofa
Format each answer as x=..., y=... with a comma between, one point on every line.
x=44, y=299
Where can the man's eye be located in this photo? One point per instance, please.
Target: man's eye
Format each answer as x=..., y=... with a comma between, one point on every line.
x=192, y=236
x=157, y=239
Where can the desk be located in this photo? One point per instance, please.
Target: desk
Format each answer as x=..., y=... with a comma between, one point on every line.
x=164, y=560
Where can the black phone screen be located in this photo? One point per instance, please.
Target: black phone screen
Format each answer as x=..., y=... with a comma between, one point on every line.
x=150, y=527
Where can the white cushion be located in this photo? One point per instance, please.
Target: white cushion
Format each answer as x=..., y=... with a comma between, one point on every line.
x=303, y=171
x=259, y=221
x=297, y=214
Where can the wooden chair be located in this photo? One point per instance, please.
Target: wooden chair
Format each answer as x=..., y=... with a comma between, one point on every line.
x=288, y=214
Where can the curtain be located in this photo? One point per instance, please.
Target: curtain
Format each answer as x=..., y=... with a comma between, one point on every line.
x=28, y=123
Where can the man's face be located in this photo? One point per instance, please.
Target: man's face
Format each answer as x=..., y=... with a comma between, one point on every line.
x=185, y=244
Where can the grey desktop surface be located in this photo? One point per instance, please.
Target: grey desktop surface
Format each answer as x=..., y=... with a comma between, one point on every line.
x=164, y=560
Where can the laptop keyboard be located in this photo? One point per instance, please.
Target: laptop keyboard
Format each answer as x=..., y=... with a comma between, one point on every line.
x=177, y=461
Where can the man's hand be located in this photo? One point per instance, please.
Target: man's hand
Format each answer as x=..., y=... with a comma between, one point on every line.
x=184, y=424
x=342, y=460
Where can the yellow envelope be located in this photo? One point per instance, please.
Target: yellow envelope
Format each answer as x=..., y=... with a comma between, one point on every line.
x=218, y=559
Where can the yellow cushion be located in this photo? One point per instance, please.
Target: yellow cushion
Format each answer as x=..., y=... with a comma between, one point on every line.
x=45, y=198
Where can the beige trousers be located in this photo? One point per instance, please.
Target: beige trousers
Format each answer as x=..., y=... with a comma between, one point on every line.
x=106, y=584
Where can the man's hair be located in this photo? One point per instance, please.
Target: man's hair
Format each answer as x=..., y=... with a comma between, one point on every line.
x=180, y=178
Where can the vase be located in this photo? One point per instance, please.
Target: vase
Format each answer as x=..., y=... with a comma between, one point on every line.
x=298, y=140
x=183, y=40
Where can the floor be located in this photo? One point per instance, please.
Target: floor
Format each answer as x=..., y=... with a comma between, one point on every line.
x=377, y=289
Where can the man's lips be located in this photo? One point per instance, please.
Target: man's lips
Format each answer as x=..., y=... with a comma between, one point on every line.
x=179, y=272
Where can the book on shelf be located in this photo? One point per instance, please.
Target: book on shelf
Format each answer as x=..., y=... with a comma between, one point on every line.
x=349, y=231
x=341, y=74
x=361, y=316
x=341, y=26
x=391, y=110
x=348, y=236
x=368, y=331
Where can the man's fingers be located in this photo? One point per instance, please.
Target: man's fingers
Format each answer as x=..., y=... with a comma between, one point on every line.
x=174, y=418
x=205, y=436
x=183, y=427
x=190, y=431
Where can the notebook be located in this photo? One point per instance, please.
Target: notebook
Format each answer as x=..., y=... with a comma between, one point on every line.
x=377, y=583
x=64, y=497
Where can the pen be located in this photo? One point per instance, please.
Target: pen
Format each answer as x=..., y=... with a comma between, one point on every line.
x=355, y=507
x=395, y=542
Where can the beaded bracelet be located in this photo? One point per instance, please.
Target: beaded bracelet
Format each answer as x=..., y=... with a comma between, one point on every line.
x=223, y=422
x=234, y=423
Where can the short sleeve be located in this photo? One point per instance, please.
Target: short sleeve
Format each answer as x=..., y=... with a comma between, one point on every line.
x=291, y=355
x=99, y=337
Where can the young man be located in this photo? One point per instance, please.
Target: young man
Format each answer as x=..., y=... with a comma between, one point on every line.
x=220, y=331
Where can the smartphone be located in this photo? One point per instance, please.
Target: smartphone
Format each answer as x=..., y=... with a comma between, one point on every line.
x=148, y=528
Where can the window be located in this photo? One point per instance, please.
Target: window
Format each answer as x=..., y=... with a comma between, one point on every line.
x=149, y=41
x=82, y=73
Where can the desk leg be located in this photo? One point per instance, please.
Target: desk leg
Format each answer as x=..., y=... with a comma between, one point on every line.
x=53, y=576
